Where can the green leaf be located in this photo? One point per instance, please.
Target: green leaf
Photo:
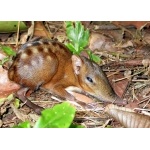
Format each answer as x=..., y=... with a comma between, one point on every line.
x=76, y=126
x=8, y=50
x=17, y=103
x=72, y=34
x=60, y=116
x=12, y=26
x=93, y=57
x=9, y=98
x=25, y=124
x=4, y=60
x=68, y=24
x=77, y=36
x=71, y=47
x=108, y=126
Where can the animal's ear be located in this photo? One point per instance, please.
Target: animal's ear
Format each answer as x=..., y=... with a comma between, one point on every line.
x=77, y=64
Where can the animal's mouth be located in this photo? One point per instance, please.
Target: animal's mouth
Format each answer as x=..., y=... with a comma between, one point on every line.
x=116, y=100
x=80, y=95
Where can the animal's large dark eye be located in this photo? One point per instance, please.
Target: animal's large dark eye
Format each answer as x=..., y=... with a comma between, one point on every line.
x=89, y=79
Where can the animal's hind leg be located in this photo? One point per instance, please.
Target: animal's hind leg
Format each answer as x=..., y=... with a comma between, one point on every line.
x=21, y=94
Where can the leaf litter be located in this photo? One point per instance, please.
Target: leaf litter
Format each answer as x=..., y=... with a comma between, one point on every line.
x=125, y=59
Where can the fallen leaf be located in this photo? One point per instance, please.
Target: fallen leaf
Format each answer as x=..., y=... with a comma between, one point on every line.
x=146, y=62
x=17, y=112
x=119, y=86
x=146, y=37
x=132, y=105
x=60, y=36
x=128, y=75
x=126, y=44
x=6, y=86
x=2, y=55
x=11, y=26
x=40, y=30
x=23, y=38
x=127, y=117
x=4, y=36
x=137, y=24
x=99, y=41
x=1, y=123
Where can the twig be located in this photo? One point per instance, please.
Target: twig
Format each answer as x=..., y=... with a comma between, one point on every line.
x=144, y=100
x=146, y=103
x=127, y=76
x=17, y=38
x=133, y=95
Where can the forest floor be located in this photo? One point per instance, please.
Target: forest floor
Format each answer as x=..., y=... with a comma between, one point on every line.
x=124, y=49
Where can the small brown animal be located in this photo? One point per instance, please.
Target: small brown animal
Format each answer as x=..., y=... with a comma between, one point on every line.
x=50, y=65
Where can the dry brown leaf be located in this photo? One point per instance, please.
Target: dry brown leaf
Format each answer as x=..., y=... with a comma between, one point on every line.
x=146, y=62
x=1, y=123
x=99, y=41
x=40, y=30
x=60, y=36
x=137, y=24
x=125, y=45
x=146, y=37
x=133, y=105
x=6, y=86
x=2, y=55
x=127, y=117
x=4, y=104
x=119, y=86
x=18, y=113
x=4, y=37
x=23, y=117
x=127, y=74
x=23, y=38
x=12, y=39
